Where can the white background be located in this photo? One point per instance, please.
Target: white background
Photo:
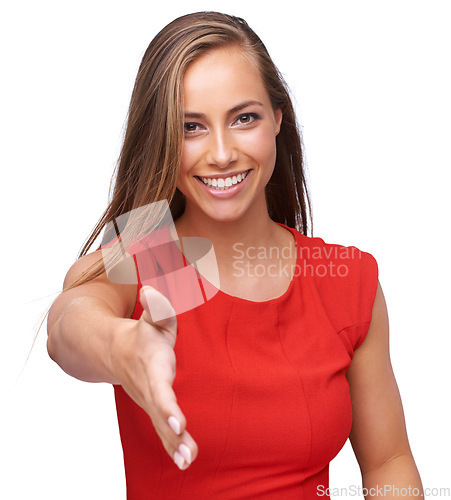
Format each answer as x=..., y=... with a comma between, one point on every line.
x=371, y=81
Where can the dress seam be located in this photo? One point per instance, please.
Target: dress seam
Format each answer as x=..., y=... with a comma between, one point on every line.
x=232, y=406
x=303, y=392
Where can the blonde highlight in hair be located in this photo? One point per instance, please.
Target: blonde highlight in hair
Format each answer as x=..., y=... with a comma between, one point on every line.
x=149, y=163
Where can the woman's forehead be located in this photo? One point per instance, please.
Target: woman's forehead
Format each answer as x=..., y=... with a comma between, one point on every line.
x=220, y=77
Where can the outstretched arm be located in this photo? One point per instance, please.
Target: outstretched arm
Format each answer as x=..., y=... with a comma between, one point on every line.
x=378, y=435
x=92, y=337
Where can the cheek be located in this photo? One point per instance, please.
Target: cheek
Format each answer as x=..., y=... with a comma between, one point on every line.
x=262, y=147
x=192, y=154
x=185, y=159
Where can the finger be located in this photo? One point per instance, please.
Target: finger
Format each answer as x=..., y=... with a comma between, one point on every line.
x=159, y=309
x=167, y=412
x=170, y=425
x=183, y=452
x=160, y=403
x=189, y=442
x=169, y=420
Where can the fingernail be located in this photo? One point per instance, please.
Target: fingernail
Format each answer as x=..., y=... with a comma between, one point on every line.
x=174, y=424
x=179, y=460
x=186, y=453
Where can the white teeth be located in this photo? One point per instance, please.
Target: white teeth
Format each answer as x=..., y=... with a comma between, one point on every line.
x=222, y=184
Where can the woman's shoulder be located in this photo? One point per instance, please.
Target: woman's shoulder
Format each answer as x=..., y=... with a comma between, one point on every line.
x=120, y=296
x=344, y=276
x=315, y=248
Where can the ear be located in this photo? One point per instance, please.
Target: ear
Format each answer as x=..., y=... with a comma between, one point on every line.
x=277, y=120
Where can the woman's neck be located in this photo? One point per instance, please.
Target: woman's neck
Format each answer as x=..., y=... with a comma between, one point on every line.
x=244, y=233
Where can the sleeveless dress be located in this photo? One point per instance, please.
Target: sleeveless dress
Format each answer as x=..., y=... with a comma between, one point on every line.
x=262, y=384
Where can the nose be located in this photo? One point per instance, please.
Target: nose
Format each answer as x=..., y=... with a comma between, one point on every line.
x=221, y=149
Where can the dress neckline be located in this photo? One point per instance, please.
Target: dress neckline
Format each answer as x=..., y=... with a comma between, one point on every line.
x=290, y=285
x=268, y=301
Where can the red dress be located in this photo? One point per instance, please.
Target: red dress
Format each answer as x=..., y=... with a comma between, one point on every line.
x=262, y=385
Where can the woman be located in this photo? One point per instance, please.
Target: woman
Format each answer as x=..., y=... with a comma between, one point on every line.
x=262, y=398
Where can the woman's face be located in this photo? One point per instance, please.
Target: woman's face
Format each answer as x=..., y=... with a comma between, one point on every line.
x=230, y=137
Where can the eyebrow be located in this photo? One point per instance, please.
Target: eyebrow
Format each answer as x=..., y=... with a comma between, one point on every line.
x=235, y=109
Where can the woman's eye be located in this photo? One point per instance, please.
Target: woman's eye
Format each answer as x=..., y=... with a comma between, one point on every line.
x=246, y=118
x=191, y=127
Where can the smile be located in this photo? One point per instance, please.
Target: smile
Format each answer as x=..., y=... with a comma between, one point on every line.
x=224, y=184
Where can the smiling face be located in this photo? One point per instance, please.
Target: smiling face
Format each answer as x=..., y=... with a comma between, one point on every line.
x=229, y=148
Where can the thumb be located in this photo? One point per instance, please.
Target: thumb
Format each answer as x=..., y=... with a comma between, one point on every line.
x=159, y=309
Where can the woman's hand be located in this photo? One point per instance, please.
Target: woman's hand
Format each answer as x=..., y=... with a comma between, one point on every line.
x=143, y=360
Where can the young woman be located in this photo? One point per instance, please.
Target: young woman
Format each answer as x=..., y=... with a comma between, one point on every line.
x=265, y=391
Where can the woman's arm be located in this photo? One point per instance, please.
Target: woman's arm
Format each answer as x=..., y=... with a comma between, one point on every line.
x=84, y=321
x=378, y=435
x=91, y=337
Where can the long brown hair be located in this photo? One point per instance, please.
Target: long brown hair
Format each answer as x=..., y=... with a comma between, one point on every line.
x=149, y=162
